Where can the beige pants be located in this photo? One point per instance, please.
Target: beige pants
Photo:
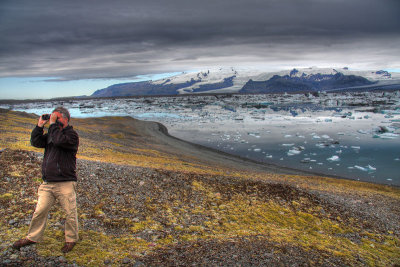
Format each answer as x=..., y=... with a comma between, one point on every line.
x=48, y=192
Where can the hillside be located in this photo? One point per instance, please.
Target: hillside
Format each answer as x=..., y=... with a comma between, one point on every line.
x=148, y=199
x=231, y=80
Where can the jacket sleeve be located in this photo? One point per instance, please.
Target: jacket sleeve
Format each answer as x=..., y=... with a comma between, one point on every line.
x=38, y=139
x=64, y=139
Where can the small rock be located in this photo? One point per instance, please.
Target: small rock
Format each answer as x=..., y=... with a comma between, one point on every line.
x=139, y=264
x=62, y=259
x=12, y=222
x=6, y=262
x=13, y=257
x=126, y=261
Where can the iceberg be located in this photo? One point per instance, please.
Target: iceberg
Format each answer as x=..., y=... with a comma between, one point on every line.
x=368, y=168
x=293, y=152
x=371, y=168
x=360, y=168
x=333, y=158
x=386, y=136
x=287, y=144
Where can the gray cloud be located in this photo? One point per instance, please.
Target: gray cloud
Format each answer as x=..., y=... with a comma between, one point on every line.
x=100, y=39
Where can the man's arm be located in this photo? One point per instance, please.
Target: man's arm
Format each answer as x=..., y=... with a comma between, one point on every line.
x=38, y=139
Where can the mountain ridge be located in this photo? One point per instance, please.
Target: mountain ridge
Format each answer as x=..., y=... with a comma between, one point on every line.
x=247, y=81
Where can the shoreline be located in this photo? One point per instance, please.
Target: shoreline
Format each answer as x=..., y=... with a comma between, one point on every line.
x=232, y=158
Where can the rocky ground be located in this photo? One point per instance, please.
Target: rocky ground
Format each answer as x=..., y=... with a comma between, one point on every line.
x=148, y=199
x=137, y=216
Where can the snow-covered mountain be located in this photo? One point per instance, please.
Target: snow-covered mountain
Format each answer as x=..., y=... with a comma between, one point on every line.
x=232, y=80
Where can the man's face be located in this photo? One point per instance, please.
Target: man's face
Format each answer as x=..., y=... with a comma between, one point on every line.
x=61, y=119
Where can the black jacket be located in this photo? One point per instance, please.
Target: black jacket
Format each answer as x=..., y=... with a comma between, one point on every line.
x=60, y=148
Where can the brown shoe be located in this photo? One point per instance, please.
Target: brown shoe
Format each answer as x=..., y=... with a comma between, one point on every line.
x=22, y=243
x=68, y=247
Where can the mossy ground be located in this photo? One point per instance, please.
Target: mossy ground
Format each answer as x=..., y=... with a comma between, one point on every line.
x=163, y=201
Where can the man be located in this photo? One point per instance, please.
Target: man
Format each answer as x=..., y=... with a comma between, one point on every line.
x=59, y=177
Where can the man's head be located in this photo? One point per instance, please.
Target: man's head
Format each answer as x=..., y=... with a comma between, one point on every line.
x=63, y=115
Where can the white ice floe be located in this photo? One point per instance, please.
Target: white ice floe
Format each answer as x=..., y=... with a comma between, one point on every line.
x=356, y=147
x=294, y=151
x=333, y=158
x=316, y=137
x=320, y=145
x=365, y=169
x=257, y=149
x=360, y=168
x=362, y=131
x=386, y=136
x=325, y=136
x=288, y=136
x=287, y=144
x=371, y=168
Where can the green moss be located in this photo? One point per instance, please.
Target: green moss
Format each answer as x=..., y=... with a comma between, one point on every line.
x=6, y=197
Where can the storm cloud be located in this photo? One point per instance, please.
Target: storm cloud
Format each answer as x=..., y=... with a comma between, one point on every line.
x=109, y=39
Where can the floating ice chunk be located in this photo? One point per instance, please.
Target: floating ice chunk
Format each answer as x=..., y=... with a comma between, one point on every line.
x=269, y=156
x=288, y=136
x=328, y=120
x=371, y=168
x=355, y=147
x=389, y=179
x=339, y=151
x=325, y=136
x=316, y=137
x=257, y=135
x=361, y=131
x=294, y=151
x=386, y=136
x=333, y=158
x=257, y=149
x=340, y=133
x=320, y=145
x=287, y=144
x=360, y=168
x=397, y=159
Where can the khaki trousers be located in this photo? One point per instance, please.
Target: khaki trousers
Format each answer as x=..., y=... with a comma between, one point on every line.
x=65, y=193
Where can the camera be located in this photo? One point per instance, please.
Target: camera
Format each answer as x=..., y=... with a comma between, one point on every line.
x=46, y=117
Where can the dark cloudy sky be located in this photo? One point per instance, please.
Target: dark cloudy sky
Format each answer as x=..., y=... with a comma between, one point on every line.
x=73, y=40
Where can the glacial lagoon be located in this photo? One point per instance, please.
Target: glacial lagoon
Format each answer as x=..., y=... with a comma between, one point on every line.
x=350, y=135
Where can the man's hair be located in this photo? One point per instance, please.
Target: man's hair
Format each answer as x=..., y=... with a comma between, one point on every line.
x=64, y=112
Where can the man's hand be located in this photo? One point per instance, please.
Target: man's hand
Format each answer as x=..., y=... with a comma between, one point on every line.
x=42, y=122
x=53, y=118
